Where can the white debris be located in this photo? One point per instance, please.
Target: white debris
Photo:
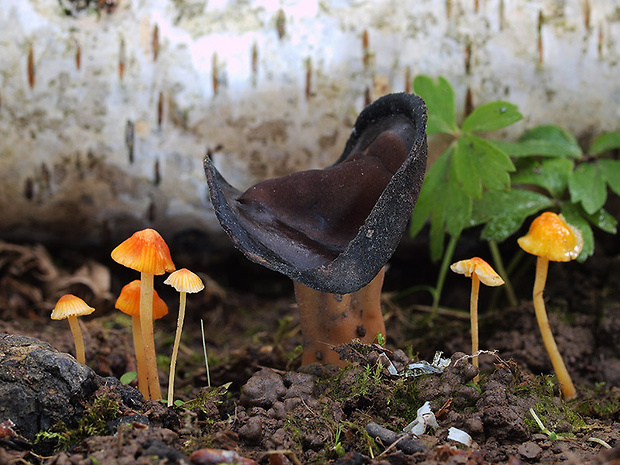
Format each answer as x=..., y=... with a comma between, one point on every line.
x=438, y=365
x=460, y=436
x=425, y=418
x=388, y=364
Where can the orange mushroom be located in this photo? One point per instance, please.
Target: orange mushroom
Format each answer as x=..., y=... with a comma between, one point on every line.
x=70, y=307
x=550, y=237
x=480, y=271
x=129, y=302
x=183, y=281
x=147, y=252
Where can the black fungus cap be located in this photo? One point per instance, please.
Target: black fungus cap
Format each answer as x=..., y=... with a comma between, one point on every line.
x=334, y=229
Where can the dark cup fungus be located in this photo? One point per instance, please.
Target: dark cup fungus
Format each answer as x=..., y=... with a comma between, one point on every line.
x=333, y=230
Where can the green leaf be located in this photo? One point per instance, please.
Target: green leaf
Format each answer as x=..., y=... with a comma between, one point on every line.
x=458, y=209
x=610, y=170
x=128, y=377
x=547, y=141
x=505, y=212
x=435, y=177
x=437, y=232
x=605, y=142
x=551, y=174
x=494, y=165
x=587, y=186
x=573, y=215
x=466, y=168
x=603, y=220
x=492, y=116
x=440, y=101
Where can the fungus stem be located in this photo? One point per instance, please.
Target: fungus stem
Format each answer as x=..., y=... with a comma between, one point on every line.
x=77, y=338
x=473, y=313
x=328, y=320
x=175, y=349
x=568, y=389
x=146, y=325
x=138, y=347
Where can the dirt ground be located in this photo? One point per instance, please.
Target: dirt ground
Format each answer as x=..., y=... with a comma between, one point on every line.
x=263, y=407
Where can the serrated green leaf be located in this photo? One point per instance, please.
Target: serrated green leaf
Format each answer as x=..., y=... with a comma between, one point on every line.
x=427, y=200
x=610, y=170
x=437, y=232
x=603, y=220
x=492, y=116
x=440, y=102
x=587, y=186
x=573, y=215
x=605, y=142
x=458, y=209
x=494, y=165
x=505, y=212
x=466, y=168
x=546, y=141
x=551, y=174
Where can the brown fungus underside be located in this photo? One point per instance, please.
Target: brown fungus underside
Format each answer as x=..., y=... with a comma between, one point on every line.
x=334, y=229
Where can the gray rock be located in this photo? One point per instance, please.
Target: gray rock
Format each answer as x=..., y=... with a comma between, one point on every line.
x=40, y=386
x=263, y=389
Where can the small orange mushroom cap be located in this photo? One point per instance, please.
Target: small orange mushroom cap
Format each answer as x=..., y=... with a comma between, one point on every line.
x=145, y=251
x=129, y=301
x=184, y=280
x=551, y=237
x=482, y=269
x=70, y=305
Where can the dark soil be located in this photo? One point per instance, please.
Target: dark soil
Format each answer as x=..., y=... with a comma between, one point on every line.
x=262, y=407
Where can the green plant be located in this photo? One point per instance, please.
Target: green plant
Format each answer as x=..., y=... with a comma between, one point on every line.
x=553, y=172
x=499, y=184
x=470, y=167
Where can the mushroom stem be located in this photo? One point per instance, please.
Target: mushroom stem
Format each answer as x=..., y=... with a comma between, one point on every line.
x=568, y=389
x=146, y=325
x=77, y=338
x=138, y=347
x=328, y=320
x=473, y=315
x=175, y=349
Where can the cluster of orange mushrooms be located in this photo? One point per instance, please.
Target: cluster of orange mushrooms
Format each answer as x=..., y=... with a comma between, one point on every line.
x=146, y=252
x=549, y=238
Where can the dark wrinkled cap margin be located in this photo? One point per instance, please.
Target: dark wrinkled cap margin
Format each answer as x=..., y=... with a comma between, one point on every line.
x=334, y=229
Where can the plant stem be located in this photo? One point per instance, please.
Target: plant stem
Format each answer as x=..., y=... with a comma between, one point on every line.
x=77, y=339
x=568, y=389
x=175, y=349
x=146, y=325
x=138, y=347
x=443, y=271
x=204, y=349
x=499, y=265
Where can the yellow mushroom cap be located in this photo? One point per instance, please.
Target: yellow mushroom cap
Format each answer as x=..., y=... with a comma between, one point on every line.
x=184, y=280
x=551, y=237
x=145, y=251
x=483, y=270
x=70, y=305
x=129, y=301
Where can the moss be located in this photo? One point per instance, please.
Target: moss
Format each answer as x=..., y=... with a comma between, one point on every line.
x=93, y=423
x=552, y=411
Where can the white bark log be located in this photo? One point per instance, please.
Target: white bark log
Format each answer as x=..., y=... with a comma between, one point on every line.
x=65, y=165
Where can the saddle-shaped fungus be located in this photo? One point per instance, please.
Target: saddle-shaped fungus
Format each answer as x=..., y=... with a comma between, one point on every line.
x=333, y=230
